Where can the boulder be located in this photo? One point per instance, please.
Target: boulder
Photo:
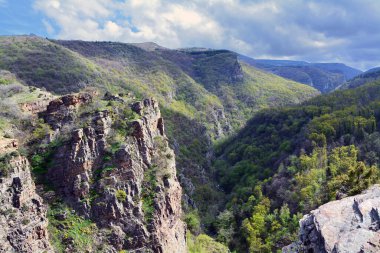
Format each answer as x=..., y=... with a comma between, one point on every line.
x=349, y=225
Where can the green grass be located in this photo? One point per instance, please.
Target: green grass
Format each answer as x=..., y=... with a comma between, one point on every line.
x=148, y=194
x=74, y=227
x=30, y=95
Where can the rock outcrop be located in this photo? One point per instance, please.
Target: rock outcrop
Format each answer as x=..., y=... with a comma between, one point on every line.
x=128, y=185
x=62, y=110
x=348, y=225
x=36, y=106
x=23, y=222
x=8, y=145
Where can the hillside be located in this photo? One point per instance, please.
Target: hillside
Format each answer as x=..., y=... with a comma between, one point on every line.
x=368, y=76
x=323, y=76
x=288, y=161
x=204, y=96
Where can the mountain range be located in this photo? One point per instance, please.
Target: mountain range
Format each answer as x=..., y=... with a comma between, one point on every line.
x=325, y=77
x=134, y=147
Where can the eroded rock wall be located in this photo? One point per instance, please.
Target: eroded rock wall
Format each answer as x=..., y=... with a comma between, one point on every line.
x=23, y=222
x=132, y=191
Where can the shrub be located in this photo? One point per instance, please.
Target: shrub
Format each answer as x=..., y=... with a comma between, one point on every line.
x=41, y=130
x=4, y=163
x=25, y=221
x=193, y=222
x=121, y=195
x=204, y=244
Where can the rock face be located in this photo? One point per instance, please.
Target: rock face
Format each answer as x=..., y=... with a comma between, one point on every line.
x=8, y=145
x=36, y=106
x=348, y=225
x=130, y=187
x=23, y=222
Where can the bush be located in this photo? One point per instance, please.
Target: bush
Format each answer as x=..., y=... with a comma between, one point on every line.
x=25, y=222
x=204, y=244
x=4, y=163
x=41, y=130
x=121, y=195
x=193, y=222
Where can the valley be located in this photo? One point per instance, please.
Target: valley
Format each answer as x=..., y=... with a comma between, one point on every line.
x=134, y=147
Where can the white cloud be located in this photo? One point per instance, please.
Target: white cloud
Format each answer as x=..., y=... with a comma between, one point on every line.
x=49, y=28
x=296, y=29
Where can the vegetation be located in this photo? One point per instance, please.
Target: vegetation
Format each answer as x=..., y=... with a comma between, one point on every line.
x=204, y=244
x=44, y=64
x=301, y=157
x=323, y=76
x=4, y=163
x=65, y=227
x=121, y=195
x=331, y=141
x=148, y=193
x=193, y=222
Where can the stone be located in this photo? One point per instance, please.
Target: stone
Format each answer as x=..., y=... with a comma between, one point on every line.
x=351, y=224
x=77, y=171
x=23, y=220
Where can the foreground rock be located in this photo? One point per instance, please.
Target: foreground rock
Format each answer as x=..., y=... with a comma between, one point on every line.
x=348, y=225
x=23, y=222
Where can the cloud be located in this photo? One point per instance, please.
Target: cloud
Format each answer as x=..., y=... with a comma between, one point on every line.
x=49, y=28
x=313, y=30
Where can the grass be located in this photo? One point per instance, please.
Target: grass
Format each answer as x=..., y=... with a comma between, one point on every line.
x=148, y=193
x=74, y=228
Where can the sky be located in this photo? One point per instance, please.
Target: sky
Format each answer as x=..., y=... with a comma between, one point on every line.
x=345, y=31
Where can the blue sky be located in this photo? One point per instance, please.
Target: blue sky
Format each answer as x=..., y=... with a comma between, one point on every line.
x=19, y=17
x=345, y=31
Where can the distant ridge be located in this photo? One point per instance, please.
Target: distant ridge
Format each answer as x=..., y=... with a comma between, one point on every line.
x=325, y=77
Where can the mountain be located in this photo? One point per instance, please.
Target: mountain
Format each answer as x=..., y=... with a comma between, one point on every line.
x=81, y=118
x=368, y=76
x=323, y=76
x=115, y=147
x=288, y=161
x=93, y=172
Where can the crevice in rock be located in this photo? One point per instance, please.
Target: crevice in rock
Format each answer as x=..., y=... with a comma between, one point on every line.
x=357, y=212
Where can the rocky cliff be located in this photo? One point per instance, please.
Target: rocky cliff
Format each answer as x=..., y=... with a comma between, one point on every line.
x=348, y=225
x=117, y=170
x=23, y=222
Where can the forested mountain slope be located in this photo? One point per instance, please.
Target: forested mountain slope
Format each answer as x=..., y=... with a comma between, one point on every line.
x=368, y=76
x=323, y=76
x=204, y=96
x=291, y=160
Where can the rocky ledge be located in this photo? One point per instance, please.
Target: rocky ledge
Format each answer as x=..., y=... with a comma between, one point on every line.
x=348, y=225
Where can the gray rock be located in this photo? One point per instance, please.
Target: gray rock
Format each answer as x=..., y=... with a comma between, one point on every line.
x=348, y=225
x=23, y=222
